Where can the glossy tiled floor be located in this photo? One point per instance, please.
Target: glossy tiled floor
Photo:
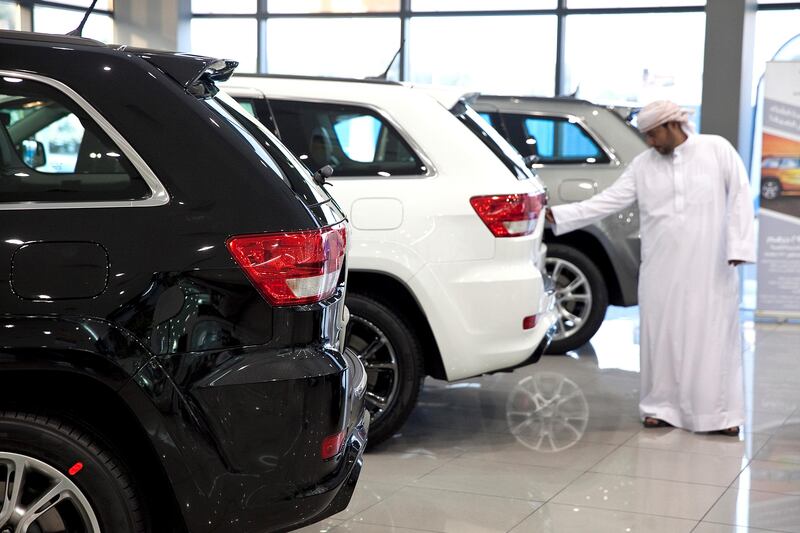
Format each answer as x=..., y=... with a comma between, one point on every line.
x=474, y=458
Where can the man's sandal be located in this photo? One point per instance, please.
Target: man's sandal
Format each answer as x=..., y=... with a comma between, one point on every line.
x=650, y=422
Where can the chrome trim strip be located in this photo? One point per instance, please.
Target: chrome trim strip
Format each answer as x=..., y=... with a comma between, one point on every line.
x=159, y=195
x=430, y=170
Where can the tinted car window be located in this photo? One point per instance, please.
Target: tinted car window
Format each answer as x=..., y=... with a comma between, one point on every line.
x=353, y=140
x=51, y=151
x=558, y=140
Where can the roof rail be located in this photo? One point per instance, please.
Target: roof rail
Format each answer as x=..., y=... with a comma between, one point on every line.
x=323, y=78
x=540, y=98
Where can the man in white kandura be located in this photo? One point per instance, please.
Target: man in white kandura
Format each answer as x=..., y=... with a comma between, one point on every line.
x=696, y=227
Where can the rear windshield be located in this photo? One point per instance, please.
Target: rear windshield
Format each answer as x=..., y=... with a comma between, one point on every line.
x=271, y=151
x=493, y=140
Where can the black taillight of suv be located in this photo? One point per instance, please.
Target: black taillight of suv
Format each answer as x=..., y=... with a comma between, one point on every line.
x=171, y=304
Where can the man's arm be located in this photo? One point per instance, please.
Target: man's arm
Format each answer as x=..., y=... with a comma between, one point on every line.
x=570, y=217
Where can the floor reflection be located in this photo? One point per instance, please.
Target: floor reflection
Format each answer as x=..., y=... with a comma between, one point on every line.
x=558, y=447
x=547, y=412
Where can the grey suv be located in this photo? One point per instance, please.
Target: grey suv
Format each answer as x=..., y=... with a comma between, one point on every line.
x=578, y=149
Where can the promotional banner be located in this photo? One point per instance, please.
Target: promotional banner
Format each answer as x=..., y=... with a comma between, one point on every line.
x=779, y=217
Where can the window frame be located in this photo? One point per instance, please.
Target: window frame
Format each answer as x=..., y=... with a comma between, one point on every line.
x=430, y=170
x=158, y=193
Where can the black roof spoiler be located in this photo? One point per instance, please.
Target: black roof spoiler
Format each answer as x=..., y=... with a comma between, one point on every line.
x=196, y=74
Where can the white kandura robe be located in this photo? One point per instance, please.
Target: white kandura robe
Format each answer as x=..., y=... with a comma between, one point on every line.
x=696, y=214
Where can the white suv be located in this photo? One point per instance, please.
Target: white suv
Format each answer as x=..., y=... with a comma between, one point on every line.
x=446, y=257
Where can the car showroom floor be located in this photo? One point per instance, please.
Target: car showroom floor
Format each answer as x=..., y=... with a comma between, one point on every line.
x=457, y=467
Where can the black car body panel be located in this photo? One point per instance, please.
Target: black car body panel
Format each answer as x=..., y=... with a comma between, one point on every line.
x=235, y=395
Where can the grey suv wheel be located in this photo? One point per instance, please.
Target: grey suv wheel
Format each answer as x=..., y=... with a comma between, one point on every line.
x=581, y=297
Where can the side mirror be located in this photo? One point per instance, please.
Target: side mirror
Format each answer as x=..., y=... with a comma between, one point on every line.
x=33, y=153
x=323, y=174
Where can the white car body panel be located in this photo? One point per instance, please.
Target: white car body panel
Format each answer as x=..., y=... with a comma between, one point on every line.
x=474, y=289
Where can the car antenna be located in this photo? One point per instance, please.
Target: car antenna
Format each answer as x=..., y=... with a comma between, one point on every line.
x=79, y=30
x=385, y=74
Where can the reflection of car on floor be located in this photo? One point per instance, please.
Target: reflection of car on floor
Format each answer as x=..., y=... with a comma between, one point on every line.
x=445, y=265
x=171, y=356
x=580, y=149
x=780, y=176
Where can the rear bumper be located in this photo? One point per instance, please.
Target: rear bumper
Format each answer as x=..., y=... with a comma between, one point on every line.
x=476, y=310
x=242, y=444
x=342, y=488
x=548, y=317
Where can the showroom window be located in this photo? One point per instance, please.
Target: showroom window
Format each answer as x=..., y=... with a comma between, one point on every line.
x=9, y=16
x=227, y=7
x=503, y=54
x=63, y=16
x=53, y=152
x=594, y=4
x=333, y=6
x=532, y=47
x=353, y=140
x=481, y=5
x=332, y=46
x=774, y=28
x=659, y=67
x=227, y=38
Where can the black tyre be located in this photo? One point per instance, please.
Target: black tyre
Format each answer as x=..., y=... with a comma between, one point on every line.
x=60, y=479
x=770, y=188
x=581, y=297
x=388, y=346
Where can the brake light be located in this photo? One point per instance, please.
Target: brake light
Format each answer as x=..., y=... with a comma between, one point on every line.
x=509, y=215
x=292, y=268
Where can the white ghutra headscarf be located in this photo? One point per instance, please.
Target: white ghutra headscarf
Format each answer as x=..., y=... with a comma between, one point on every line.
x=660, y=112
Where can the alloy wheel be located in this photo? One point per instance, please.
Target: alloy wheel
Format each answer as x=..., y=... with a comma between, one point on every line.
x=377, y=354
x=37, y=498
x=573, y=296
x=547, y=412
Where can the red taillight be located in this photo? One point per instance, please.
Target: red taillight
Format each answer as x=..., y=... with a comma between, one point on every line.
x=292, y=268
x=529, y=322
x=509, y=215
x=332, y=444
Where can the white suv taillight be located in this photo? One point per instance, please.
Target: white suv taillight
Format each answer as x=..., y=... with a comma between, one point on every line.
x=292, y=268
x=509, y=215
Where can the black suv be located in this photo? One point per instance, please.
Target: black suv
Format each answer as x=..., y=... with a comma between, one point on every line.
x=172, y=304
